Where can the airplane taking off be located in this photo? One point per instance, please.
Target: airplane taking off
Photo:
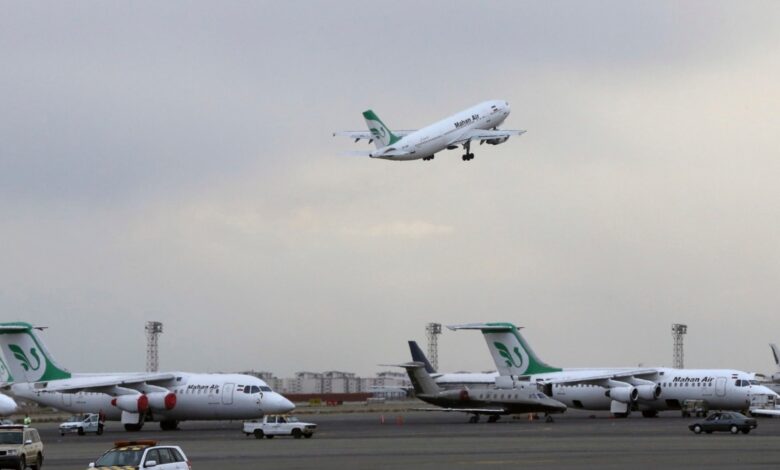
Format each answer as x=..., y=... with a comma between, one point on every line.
x=620, y=390
x=494, y=402
x=478, y=123
x=132, y=398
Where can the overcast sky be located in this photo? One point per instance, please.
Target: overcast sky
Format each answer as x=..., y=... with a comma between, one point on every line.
x=174, y=161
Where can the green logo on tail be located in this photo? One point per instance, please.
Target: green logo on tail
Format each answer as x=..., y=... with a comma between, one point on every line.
x=20, y=355
x=504, y=352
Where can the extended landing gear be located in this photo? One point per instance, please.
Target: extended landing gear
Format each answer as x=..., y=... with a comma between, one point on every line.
x=468, y=155
x=493, y=418
x=548, y=418
x=169, y=425
x=425, y=159
x=133, y=427
x=474, y=419
x=649, y=414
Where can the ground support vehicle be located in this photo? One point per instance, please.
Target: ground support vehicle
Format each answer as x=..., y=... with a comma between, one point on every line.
x=143, y=454
x=82, y=424
x=279, y=425
x=20, y=447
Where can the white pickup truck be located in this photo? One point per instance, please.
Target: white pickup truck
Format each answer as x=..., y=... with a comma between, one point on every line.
x=279, y=425
x=82, y=424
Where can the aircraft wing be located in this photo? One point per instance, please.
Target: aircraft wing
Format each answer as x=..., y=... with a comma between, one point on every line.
x=765, y=411
x=359, y=135
x=486, y=135
x=489, y=411
x=602, y=379
x=104, y=384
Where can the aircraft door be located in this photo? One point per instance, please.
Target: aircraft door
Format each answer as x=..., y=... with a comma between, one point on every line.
x=720, y=386
x=227, y=394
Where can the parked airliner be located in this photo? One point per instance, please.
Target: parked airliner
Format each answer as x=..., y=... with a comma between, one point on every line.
x=619, y=390
x=132, y=398
x=476, y=124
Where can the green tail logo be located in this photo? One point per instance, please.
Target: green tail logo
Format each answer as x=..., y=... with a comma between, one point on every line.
x=20, y=355
x=378, y=134
x=504, y=352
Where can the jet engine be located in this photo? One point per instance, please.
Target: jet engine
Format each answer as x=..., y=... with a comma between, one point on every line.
x=137, y=403
x=162, y=400
x=497, y=141
x=625, y=394
x=462, y=395
x=648, y=391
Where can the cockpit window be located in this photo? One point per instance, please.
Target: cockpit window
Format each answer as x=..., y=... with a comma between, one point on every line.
x=255, y=389
x=754, y=382
x=265, y=388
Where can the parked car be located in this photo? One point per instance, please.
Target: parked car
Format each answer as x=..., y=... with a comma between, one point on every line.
x=20, y=447
x=279, y=425
x=82, y=424
x=724, y=421
x=143, y=454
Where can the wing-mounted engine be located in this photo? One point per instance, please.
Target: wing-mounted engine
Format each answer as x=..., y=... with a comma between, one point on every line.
x=497, y=141
x=646, y=389
x=622, y=392
x=162, y=401
x=132, y=403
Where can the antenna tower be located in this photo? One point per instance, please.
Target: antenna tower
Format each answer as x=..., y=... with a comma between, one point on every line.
x=678, y=331
x=153, y=330
x=433, y=330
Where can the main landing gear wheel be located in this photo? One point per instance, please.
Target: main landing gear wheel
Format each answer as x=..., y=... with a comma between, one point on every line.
x=474, y=419
x=493, y=418
x=169, y=425
x=650, y=414
x=425, y=159
x=468, y=155
x=133, y=427
x=549, y=419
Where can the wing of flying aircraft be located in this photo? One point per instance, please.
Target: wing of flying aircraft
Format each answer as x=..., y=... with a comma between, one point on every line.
x=367, y=135
x=491, y=136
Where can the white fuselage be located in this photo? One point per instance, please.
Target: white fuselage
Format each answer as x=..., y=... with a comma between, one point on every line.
x=719, y=388
x=198, y=397
x=440, y=135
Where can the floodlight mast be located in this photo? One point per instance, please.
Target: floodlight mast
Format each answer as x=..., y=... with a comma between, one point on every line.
x=678, y=331
x=153, y=331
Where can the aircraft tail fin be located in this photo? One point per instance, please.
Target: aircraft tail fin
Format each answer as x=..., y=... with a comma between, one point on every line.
x=27, y=358
x=512, y=355
x=422, y=381
x=419, y=356
x=383, y=136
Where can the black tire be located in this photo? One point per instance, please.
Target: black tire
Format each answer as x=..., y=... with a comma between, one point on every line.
x=269, y=436
x=649, y=414
x=708, y=432
x=734, y=429
x=38, y=462
x=296, y=433
x=130, y=427
x=258, y=434
x=22, y=463
x=746, y=431
x=81, y=431
x=308, y=436
x=697, y=429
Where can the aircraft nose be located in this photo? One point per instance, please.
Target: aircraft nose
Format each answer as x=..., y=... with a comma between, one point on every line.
x=281, y=404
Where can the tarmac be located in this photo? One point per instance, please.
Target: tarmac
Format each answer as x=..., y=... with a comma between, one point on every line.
x=428, y=440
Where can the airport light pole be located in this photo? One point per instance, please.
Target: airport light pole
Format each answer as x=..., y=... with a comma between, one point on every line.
x=153, y=331
x=433, y=330
x=678, y=331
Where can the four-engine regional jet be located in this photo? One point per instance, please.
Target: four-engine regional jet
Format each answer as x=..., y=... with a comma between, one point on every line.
x=476, y=124
x=132, y=398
